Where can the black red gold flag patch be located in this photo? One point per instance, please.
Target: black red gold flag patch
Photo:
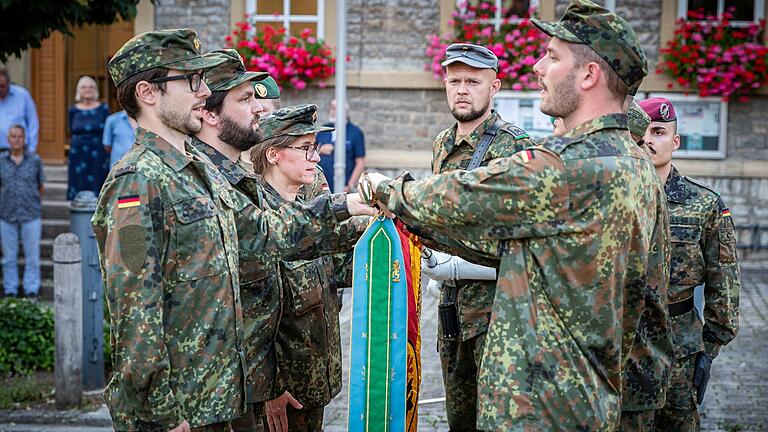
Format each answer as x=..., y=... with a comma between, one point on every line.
x=127, y=201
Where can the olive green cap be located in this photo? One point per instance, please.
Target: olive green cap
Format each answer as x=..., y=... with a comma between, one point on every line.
x=266, y=88
x=230, y=73
x=608, y=34
x=638, y=120
x=170, y=49
x=296, y=120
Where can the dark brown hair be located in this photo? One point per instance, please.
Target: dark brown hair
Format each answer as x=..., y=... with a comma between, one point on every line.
x=259, y=152
x=126, y=91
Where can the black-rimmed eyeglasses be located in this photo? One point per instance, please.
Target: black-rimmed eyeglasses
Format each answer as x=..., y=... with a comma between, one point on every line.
x=309, y=149
x=195, y=79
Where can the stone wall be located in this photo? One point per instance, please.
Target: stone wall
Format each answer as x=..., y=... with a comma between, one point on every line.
x=748, y=130
x=390, y=34
x=210, y=18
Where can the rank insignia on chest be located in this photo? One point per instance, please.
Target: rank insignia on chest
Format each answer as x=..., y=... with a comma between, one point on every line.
x=127, y=201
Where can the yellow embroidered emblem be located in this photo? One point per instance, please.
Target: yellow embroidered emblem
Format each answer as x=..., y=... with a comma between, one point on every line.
x=261, y=90
x=197, y=43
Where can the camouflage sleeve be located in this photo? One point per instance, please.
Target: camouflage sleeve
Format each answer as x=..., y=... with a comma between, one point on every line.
x=521, y=196
x=129, y=229
x=722, y=286
x=294, y=231
x=343, y=264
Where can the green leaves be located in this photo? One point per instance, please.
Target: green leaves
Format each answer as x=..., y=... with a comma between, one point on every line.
x=24, y=24
x=27, y=338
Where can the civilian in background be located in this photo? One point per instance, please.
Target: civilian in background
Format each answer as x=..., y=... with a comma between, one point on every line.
x=355, y=155
x=21, y=191
x=16, y=108
x=118, y=136
x=88, y=162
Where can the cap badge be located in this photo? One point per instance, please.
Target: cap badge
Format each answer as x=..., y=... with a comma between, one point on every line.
x=196, y=42
x=664, y=111
x=261, y=90
x=314, y=117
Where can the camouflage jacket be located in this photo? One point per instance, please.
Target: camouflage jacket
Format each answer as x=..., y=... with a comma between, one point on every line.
x=475, y=298
x=308, y=339
x=177, y=355
x=703, y=252
x=575, y=219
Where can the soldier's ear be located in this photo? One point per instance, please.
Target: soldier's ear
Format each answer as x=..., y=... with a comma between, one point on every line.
x=273, y=157
x=495, y=87
x=145, y=93
x=210, y=118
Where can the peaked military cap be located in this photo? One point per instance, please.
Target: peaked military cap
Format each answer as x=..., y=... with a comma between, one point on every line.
x=296, y=120
x=266, y=88
x=170, y=49
x=230, y=73
x=659, y=109
x=472, y=55
x=609, y=35
x=638, y=120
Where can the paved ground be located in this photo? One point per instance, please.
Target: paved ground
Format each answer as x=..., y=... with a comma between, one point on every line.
x=737, y=397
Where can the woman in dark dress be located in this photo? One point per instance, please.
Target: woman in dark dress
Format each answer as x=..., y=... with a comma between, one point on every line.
x=88, y=161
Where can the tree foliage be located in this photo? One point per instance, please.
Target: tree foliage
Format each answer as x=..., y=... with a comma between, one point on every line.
x=26, y=23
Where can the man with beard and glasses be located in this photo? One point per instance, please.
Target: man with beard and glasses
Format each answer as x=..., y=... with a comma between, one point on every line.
x=470, y=85
x=578, y=229
x=230, y=126
x=703, y=253
x=172, y=235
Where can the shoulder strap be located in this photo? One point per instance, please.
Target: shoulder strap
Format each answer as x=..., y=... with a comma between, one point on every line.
x=485, y=142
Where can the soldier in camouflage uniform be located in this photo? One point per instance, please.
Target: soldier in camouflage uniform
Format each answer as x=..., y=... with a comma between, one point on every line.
x=703, y=252
x=470, y=85
x=308, y=341
x=645, y=378
x=580, y=233
x=231, y=126
x=168, y=228
x=268, y=96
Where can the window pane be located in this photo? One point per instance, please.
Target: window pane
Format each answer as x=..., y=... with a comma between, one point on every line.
x=705, y=7
x=517, y=8
x=269, y=7
x=303, y=7
x=744, y=9
x=298, y=27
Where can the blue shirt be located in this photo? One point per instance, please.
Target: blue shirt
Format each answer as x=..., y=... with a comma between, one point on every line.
x=119, y=135
x=20, y=188
x=19, y=108
x=355, y=149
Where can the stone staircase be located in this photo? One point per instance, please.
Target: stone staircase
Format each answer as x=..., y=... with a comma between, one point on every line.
x=55, y=222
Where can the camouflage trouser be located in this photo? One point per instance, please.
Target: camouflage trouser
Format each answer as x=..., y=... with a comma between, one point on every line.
x=302, y=420
x=680, y=414
x=251, y=421
x=638, y=421
x=460, y=362
x=216, y=427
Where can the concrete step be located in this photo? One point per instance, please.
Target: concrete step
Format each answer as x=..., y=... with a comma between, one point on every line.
x=54, y=227
x=55, y=173
x=55, y=209
x=55, y=191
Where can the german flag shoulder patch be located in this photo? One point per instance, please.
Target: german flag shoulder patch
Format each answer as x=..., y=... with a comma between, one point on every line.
x=127, y=201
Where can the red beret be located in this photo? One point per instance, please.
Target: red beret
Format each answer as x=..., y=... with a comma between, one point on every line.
x=659, y=109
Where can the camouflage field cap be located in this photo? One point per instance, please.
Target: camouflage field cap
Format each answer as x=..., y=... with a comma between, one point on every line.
x=266, y=88
x=638, y=120
x=230, y=73
x=472, y=55
x=296, y=120
x=609, y=35
x=170, y=49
